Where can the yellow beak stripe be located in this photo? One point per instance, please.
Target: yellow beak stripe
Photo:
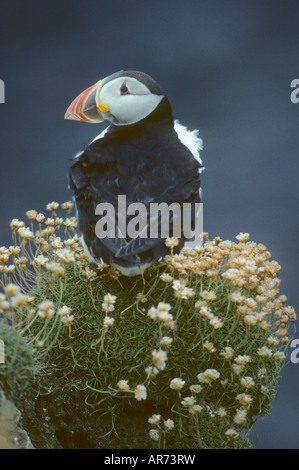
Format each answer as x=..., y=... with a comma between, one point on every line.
x=103, y=108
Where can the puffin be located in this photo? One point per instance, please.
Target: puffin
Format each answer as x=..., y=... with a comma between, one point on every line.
x=146, y=159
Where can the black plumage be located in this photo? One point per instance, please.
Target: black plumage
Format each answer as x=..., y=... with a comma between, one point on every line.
x=147, y=163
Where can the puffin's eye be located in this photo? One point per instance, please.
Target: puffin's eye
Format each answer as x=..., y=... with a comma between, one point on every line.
x=124, y=90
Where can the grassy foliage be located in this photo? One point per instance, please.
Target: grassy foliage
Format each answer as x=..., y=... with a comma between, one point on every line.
x=18, y=367
x=201, y=336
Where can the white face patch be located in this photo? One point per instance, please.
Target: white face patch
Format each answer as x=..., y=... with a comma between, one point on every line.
x=131, y=107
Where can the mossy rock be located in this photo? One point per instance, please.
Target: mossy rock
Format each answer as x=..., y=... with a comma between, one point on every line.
x=88, y=364
x=18, y=369
x=187, y=355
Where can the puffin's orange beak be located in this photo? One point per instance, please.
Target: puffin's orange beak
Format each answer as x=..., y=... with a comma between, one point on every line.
x=86, y=107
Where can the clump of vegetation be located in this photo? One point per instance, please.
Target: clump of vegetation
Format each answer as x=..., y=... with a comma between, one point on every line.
x=199, y=340
x=17, y=366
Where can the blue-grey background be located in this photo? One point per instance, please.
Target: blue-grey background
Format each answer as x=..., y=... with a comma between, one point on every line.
x=226, y=66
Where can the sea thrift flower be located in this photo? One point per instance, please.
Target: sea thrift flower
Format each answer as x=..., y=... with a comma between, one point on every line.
x=123, y=385
x=261, y=299
x=208, y=376
x=238, y=368
x=168, y=424
x=212, y=273
x=151, y=371
x=52, y=206
x=209, y=346
x=195, y=388
x=159, y=359
x=65, y=256
x=16, y=224
x=161, y=313
x=163, y=307
x=11, y=290
x=108, y=304
x=46, y=309
x=107, y=322
x=154, y=419
x=31, y=215
x=188, y=401
x=232, y=435
x=195, y=410
x=40, y=217
x=21, y=262
x=41, y=260
x=184, y=293
x=20, y=300
x=171, y=242
x=88, y=273
x=221, y=412
x=58, y=221
x=244, y=399
x=9, y=269
x=240, y=417
x=56, y=269
x=250, y=303
x=109, y=299
x=264, y=352
x=237, y=297
x=179, y=284
x=243, y=237
x=242, y=360
x=64, y=311
x=273, y=341
x=14, y=250
x=164, y=316
x=208, y=295
x=141, y=298
x=166, y=278
x=205, y=312
x=264, y=389
x=216, y=323
x=67, y=205
x=227, y=352
x=154, y=434
x=56, y=242
x=25, y=233
x=50, y=222
x=279, y=356
x=140, y=392
x=177, y=384
x=152, y=313
x=247, y=382
x=67, y=320
x=70, y=223
x=250, y=320
x=166, y=341
x=231, y=274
